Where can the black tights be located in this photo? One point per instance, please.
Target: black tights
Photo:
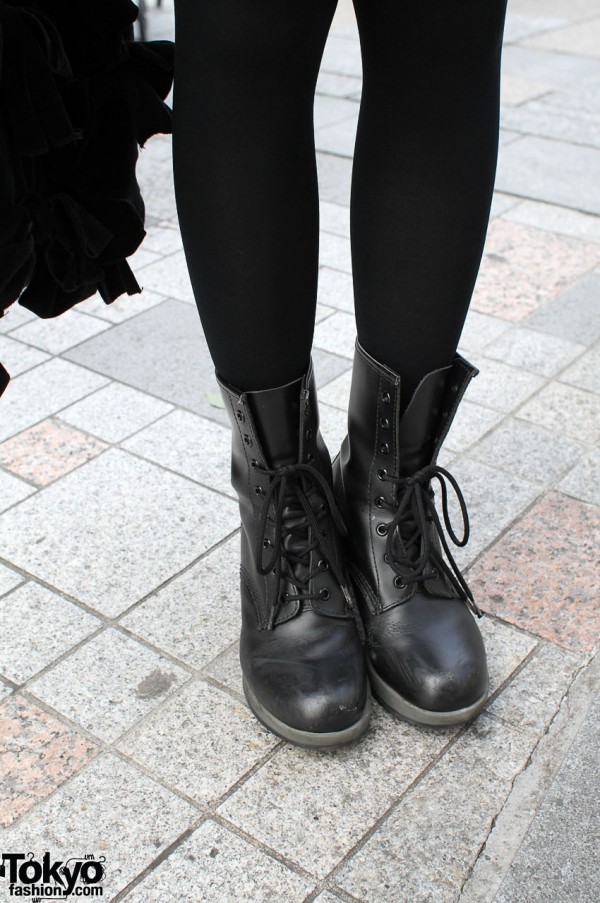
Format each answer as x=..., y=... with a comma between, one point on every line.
x=246, y=178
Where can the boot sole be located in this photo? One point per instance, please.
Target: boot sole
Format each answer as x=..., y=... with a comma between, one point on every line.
x=308, y=739
x=398, y=705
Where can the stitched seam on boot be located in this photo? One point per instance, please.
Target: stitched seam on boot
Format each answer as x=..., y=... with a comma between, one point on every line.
x=258, y=606
x=362, y=585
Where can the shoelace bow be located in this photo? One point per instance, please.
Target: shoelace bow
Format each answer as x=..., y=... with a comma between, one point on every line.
x=285, y=481
x=416, y=509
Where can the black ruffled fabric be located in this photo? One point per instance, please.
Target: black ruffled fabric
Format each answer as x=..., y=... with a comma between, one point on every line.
x=77, y=98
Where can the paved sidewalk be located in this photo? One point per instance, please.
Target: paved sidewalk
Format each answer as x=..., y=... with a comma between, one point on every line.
x=125, y=732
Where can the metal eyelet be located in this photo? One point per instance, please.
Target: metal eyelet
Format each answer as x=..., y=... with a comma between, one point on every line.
x=381, y=473
x=284, y=597
x=381, y=529
x=324, y=534
x=385, y=423
x=385, y=449
x=386, y=558
x=259, y=490
x=433, y=574
x=266, y=543
x=379, y=501
x=324, y=593
x=399, y=582
x=324, y=564
x=308, y=433
x=240, y=416
x=310, y=457
x=247, y=439
x=253, y=463
x=386, y=398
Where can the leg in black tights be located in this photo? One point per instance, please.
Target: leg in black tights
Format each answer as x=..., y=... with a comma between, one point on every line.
x=246, y=178
x=423, y=174
x=246, y=182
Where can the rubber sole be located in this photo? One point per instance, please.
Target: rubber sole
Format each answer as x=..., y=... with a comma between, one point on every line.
x=398, y=705
x=308, y=739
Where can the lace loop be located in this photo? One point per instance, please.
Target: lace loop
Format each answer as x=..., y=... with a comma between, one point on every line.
x=285, y=481
x=417, y=509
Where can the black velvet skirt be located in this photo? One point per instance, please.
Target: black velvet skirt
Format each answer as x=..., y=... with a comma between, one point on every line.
x=78, y=97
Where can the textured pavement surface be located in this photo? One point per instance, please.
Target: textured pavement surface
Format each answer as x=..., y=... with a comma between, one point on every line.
x=124, y=729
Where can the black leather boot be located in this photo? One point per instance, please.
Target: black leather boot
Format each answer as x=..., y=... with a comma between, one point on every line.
x=302, y=643
x=426, y=656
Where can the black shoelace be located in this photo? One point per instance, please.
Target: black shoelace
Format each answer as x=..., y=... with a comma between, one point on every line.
x=414, y=511
x=284, y=486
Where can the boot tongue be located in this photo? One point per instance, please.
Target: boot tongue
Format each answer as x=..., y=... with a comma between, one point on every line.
x=276, y=414
x=419, y=426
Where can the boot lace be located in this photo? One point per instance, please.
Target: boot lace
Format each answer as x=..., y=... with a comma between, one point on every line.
x=414, y=511
x=287, y=489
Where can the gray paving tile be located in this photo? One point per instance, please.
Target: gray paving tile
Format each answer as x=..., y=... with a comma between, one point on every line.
x=573, y=314
x=537, y=118
x=338, y=138
x=527, y=451
x=550, y=170
x=55, y=336
x=479, y=330
x=335, y=175
x=581, y=39
x=337, y=334
x=494, y=499
x=314, y=807
x=169, y=276
x=191, y=445
x=218, y=741
x=9, y=579
x=18, y=357
x=585, y=373
x=501, y=203
x=423, y=852
x=114, y=412
x=337, y=392
x=531, y=700
x=506, y=648
x=13, y=490
x=555, y=219
x=43, y=391
x=584, y=95
x=346, y=86
x=15, y=316
x=328, y=366
x=538, y=352
x=584, y=480
x=36, y=626
x=515, y=90
x=123, y=308
x=565, y=410
x=334, y=252
x=502, y=387
x=108, y=684
x=5, y=691
x=470, y=424
x=155, y=177
x=109, y=809
x=334, y=426
x=217, y=866
x=329, y=111
x=162, y=351
x=197, y=615
x=335, y=289
x=163, y=238
x=558, y=69
x=334, y=218
x=518, y=26
x=342, y=56
x=114, y=529
x=227, y=670
x=558, y=862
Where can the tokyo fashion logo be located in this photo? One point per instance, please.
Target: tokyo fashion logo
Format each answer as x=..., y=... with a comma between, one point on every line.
x=38, y=879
